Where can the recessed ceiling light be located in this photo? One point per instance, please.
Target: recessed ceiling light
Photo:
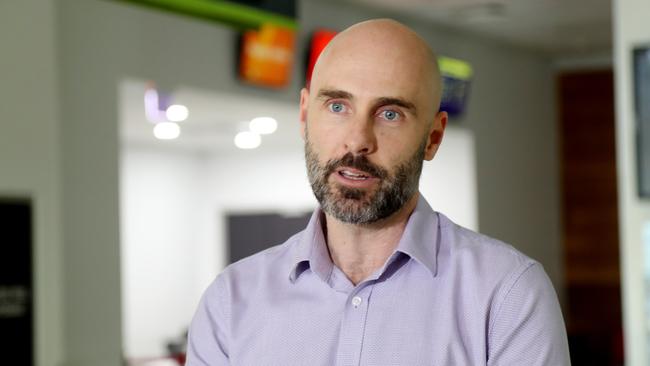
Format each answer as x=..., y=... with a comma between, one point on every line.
x=166, y=130
x=177, y=113
x=263, y=125
x=247, y=140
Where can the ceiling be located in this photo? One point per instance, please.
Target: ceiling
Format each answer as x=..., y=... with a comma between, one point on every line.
x=214, y=120
x=557, y=28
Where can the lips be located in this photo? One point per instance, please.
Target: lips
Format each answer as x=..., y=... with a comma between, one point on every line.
x=354, y=174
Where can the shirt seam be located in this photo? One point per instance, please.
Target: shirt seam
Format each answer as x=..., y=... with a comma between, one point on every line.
x=497, y=314
x=222, y=313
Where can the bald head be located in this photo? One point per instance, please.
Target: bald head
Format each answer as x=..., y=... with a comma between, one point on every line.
x=387, y=48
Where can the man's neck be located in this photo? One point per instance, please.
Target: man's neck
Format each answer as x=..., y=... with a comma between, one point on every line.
x=359, y=250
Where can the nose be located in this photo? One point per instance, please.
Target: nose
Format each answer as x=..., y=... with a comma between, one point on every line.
x=360, y=138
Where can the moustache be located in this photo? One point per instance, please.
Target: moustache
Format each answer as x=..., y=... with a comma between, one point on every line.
x=359, y=162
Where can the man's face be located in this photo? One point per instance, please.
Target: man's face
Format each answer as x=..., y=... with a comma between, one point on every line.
x=368, y=124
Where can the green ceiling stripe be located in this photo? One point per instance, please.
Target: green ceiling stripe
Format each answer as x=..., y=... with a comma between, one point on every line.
x=239, y=16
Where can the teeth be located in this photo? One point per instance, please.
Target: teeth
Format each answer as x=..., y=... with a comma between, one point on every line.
x=354, y=176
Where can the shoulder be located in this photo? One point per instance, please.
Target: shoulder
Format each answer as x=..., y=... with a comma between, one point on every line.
x=490, y=268
x=480, y=253
x=523, y=313
x=466, y=241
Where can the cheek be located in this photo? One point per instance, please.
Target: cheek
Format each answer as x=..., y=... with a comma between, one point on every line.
x=396, y=148
x=326, y=138
x=321, y=147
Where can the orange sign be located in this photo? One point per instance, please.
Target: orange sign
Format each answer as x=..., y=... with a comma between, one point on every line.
x=267, y=56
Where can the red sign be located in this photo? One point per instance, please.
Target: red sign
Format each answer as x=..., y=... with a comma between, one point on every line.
x=319, y=40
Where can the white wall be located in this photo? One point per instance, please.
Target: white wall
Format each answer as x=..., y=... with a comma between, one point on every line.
x=631, y=28
x=173, y=210
x=449, y=183
x=162, y=235
x=29, y=154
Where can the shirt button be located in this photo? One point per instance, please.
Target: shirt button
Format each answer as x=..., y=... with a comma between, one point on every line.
x=356, y=301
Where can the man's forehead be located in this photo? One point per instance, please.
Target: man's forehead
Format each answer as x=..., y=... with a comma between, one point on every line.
x=372, y=67
x=379, y=58
x=372, y=83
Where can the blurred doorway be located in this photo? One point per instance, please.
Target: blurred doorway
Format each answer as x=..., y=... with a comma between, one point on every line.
x=16, y=282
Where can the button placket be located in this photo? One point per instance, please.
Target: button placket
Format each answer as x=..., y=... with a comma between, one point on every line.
x=353, y=326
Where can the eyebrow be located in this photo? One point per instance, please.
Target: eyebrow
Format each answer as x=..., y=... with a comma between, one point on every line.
x=379, y=102
x=333, y=94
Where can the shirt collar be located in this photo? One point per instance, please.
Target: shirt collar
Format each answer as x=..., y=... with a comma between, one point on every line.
x=311, y=250
x=419, y=241
x=421, y=236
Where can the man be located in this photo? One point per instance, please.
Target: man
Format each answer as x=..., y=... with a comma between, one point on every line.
x=377, y=277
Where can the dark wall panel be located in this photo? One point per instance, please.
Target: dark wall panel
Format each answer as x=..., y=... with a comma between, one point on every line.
x=249, y=234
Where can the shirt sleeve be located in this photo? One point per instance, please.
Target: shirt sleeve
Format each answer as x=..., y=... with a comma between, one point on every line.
x=528, y=328
x=207, y=336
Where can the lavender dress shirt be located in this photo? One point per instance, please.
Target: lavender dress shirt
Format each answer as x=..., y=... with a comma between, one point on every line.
x=446, y=296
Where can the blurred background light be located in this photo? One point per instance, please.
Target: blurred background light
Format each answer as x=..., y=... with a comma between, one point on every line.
x=166, y=130
x=247, y=140
x=177, y=113
x=263, y=125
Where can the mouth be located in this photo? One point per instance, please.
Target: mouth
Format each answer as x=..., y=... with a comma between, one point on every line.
x=355, y=178
x=354, y=174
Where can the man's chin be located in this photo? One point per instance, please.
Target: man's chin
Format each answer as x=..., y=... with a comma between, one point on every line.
x=350, y=210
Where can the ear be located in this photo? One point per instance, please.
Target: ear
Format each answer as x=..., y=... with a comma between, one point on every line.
x=436, y=132
x=304, y=103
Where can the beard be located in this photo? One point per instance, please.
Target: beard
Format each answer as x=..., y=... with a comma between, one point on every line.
x=363, y=206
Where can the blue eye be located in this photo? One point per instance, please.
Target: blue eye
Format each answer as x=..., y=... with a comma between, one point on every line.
x=390, y=115
x=336, y=107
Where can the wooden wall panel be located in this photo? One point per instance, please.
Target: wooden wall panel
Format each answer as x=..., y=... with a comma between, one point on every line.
x=590, y=217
